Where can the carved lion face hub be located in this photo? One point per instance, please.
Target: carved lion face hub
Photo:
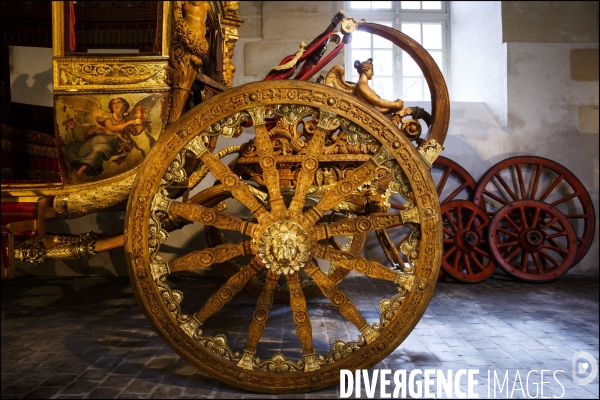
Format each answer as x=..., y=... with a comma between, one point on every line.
x=284, y=247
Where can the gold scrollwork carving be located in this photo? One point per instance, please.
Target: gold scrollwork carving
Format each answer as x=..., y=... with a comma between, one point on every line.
x=429, y=150
x=114, y=74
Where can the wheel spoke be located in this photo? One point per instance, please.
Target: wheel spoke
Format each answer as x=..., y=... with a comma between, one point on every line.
x=495, y=197
x=458, y=213
x=370, y=268
x=476, y=261
x=345, y=187
x=551, y=188
x=536, y=181
x=562, y=200
x=557, y=249
x=231, y=181
x=449, y=252
x=467, y=264
x=513, y=254
x=548, y=225
x=207, y=216
x=302, y=321
x=353, y=226
x=536, y=262
x=228, y=290
x=513, y=223
x=548, y=257
x=457, y=256
x=339, y=300
x=442, y=182
x=389, y=249
x=207, y=257
x=471, y=219
x=448, y=232
x=456, y=191
x=507, y=232
x=521, y=181
x=264, y=148
x=311, y=162
x=535, y=218
x=450, y=221
x=506, y=187
x=523, y=217
x=524, y=260
x=259, y=320
x=507, y=244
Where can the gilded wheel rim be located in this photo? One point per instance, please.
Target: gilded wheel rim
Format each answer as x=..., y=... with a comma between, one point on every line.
x=400, y=307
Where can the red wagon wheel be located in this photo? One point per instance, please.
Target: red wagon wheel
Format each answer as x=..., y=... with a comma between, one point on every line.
x=466, y=257
x=532, y=241
x=451, y=180
x=536, y=178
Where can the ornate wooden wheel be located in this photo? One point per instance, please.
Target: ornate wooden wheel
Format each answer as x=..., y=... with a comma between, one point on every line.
x=452, y=181
x=532, y=241
x=283, y=234
x=536, y=178
x=466, y=256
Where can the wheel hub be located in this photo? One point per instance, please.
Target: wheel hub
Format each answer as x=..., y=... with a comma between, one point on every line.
x=532, y=239
x=284, y=247
x=466, y=240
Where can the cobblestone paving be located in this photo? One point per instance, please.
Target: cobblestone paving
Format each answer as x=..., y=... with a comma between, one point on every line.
x=86, y=337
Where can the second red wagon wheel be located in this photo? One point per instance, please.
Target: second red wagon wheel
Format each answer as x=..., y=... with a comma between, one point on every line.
x=536, y=178
x=466, y=257
x=532, y=241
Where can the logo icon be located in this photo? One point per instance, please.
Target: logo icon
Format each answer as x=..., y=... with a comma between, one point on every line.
x=580, y=368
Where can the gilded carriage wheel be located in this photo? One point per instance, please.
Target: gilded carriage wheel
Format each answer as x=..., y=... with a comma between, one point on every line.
x=285, y=240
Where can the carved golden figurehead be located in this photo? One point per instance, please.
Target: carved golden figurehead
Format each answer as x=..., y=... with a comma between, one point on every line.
x=284, y=247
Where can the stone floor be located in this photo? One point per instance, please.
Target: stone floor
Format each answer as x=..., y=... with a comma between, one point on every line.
x=87, y=338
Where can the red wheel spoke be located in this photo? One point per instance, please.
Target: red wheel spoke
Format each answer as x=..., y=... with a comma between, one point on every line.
x=448, y=232
x=471, y=219
x=507, y=232
x=524, y=258
x=449, y=252
x=450, y=221
x=551, y=188
x=553, y=220
x=479, y=251
x=535, y=217
x=536, y=181
x=557, y=249
x=536, y=262
x=549, y=258
x=513, y=223
x=476, y=261
x=521, y=182
x=467, y=264
x=513, y=254
x=493, y=196
x=576, y=216
x=456, y=260
x=506, y=187
x=562, y=200
x=442, y=182
x=523, y=217
x=456, y=191
x=555, y=235
x=459, y=217
x=508, y=244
